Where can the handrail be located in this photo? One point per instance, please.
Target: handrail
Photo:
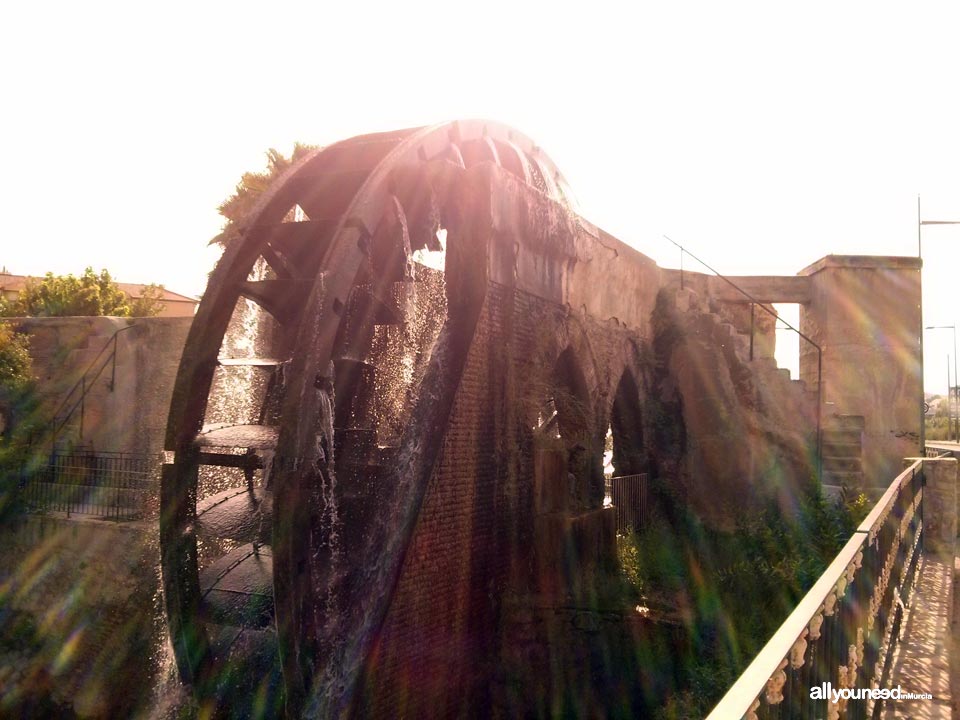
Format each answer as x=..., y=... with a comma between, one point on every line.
x=57, y=423
x=755, y=302
x=875, y=586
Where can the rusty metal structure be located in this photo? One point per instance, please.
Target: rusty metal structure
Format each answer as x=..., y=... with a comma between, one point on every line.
x=268, y=580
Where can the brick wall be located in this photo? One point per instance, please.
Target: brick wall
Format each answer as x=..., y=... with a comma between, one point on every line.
x=439, y=646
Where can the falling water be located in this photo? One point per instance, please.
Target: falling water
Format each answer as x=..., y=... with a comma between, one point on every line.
x=237, y=396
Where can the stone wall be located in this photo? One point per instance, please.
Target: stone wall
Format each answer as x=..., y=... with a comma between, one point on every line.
x=940, y=508
x=865, y=315
x=126, y=407
x=573, y=315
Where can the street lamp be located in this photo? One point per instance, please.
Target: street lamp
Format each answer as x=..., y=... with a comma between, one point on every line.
x=920, y=223
x=952, y=392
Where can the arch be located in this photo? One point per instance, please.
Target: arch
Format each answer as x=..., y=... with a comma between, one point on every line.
x=626, y=425
x=571, y=399
x=566, y=426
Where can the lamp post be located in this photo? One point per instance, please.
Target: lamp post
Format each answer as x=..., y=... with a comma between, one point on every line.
x=920, y=223
x=952, y=393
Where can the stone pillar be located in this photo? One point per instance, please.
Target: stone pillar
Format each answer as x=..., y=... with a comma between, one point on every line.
x=864, y=312
x=940, y=508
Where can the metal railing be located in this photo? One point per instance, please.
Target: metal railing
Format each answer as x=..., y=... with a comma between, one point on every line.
x=846, y=628
x=70, y=404
x=110, y=485
x=628, y=495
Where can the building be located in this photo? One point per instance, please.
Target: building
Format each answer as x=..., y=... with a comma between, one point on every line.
x=174, y=304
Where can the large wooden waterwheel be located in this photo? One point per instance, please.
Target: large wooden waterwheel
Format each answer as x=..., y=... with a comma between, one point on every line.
x=300, y=453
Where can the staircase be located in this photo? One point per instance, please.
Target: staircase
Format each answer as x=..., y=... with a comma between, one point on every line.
x=769, y=381
x=842, y=444
x=98, y=356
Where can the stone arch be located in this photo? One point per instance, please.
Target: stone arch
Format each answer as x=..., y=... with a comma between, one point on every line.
x=626, y=425
x=567, y=426
x=571, y=398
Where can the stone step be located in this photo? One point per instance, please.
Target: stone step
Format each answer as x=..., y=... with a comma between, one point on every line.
x=831, y=492
x=742, y=343
x=849, y=437
x=765, y=364
x=686, y=299
x=707, y=323
x=843, y=464
x=848, y=422
x=843, y=478
x=839, y=449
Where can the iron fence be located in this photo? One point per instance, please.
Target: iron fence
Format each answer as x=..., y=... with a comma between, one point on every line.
x=628, y=495
x=110, y=485
x=845, y=630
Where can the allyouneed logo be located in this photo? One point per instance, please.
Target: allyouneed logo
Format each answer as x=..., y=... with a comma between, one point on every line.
x=826, y=691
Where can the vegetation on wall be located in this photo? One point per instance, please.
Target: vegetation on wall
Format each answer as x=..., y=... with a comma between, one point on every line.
x=89, y=294
x=731, y=590
x=15, y=363
x=17, y=402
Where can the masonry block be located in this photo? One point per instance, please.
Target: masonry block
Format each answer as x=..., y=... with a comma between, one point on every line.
x=940, y=507
x=551, y=487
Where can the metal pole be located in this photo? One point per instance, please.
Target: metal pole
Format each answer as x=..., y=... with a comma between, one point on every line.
x=956, y=382
x=819, y=413
x=113, y=366
x=949, y=402
x=923, y=410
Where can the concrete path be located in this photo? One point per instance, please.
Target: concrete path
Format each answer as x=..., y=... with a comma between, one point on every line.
x=921, y=663
x=945, y=446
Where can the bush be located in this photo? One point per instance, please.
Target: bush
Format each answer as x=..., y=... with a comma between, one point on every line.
x=732, y=589
x=17, y=405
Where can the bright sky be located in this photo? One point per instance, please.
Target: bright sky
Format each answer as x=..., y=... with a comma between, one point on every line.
x=761, y=135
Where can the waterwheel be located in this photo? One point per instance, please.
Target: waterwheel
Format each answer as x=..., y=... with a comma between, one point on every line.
x=299, y=454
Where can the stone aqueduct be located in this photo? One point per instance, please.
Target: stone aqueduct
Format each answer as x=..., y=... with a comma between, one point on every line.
x=405, y=515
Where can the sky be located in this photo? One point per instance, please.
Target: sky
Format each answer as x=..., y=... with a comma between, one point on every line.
x=762, y=136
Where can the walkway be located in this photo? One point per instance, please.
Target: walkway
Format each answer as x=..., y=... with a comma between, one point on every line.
x=921, y=663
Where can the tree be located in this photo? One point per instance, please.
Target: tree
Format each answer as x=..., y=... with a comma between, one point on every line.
x=150, y=302
x=251, y=186
x=18, y=403
x=89, y=294
x=15, y=364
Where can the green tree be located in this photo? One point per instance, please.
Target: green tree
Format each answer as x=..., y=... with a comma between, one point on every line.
x=251, y=186
x=18, y=404
x=64, y=295
x=15, y=364
x=89, y=294
x=150, y=302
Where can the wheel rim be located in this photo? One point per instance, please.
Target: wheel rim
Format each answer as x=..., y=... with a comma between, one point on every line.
x=317, y=269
